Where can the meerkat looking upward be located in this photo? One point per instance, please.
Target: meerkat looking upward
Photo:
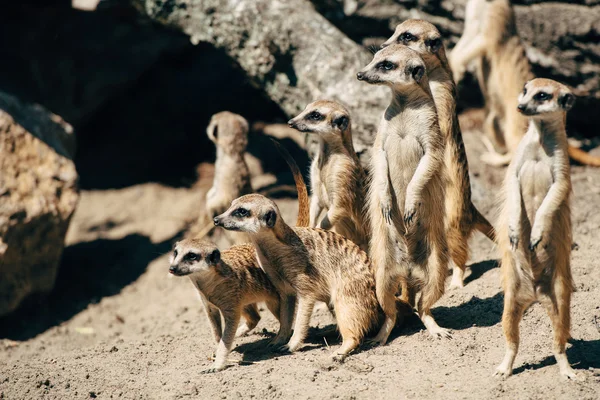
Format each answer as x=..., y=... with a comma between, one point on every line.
x=406, y=209
x=461, y=215
x=314, y=264
x=534, y=232
x=337, y=180
x=502, y=68
x=229, y=133
x=229, y=284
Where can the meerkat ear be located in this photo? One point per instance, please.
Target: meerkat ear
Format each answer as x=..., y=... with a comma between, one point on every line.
x=434, y=45
x=214, y=257
x=417, y=72
x=271, y=218
x=341, y=122
x=566, y=101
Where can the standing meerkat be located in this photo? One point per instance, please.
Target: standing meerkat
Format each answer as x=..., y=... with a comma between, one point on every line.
x=337, y=180
x=406, y=207
x=314, y=264
x=230, y=283
x=490, y=38
x=461, y=215
x=534, y=232
x=229, y=133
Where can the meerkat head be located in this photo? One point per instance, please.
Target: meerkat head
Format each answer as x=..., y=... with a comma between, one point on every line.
x=543, y=98
x=193, y=255
x=421, y=36
x=229, y=132
x=251, y=213
x=326, y=118
x=395, y=66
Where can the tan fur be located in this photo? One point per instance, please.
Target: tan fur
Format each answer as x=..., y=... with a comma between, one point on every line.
x=490, y=38
x=314, y=264
x=337, y=179
x=408, y=244
x=461, y=215
x=230, y=284
x=534, y=231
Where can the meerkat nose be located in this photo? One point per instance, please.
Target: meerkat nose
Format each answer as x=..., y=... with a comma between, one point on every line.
x=291, y=123
x=216, y=221
x=521, y=107
x=172, y=269
x=360, y=76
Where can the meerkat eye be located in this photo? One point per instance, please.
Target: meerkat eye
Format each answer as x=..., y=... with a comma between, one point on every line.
x=524, y=90
x=174, y=253
x=386, y=66
x=542, y=96
x=315, y=116
x=241, y=213
x=216, y=132
x=191, y=257
x=407, y=37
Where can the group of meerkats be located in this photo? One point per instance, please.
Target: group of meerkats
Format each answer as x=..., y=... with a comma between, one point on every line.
x=382, y=249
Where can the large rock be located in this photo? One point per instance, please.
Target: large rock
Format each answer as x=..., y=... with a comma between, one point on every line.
x=38, y=194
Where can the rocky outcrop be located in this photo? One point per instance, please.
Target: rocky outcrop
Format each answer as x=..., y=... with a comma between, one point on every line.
x=38, y=194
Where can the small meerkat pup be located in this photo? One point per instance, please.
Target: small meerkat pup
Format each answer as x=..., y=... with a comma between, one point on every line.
x=406, y=197
x=534, y=231
x=229, y=133
x=337, y=180
x=461, y=215
x=314, y=264
x=230, y=283
x=491, y=39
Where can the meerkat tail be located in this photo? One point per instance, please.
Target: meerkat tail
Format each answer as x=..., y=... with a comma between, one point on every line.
x=483, y=225
x=303, y=201
x=582, y=157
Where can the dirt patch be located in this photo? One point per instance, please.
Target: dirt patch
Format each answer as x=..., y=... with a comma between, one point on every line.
x=126, y=329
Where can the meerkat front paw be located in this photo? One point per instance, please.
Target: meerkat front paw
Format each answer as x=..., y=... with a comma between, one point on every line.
x=410, y=212
x=213, y=369
x=537, y=236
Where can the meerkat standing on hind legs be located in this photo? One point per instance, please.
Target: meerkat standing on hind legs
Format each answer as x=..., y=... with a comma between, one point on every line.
x=461, y=215
x=534, y=232
x=408, y=242
x=502, y=68
x=229, y=283
x=314, y=264
x=229, y=133
x=337, y=180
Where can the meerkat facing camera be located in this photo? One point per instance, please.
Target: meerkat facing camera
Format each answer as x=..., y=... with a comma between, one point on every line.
x=314, y=264
x=534, y=232
x=462, y=217
x=502, y=68
x=337, y=180
x=406, y=209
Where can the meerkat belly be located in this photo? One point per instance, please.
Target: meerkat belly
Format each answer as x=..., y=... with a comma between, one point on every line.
x=535, y=178
x=403, y=160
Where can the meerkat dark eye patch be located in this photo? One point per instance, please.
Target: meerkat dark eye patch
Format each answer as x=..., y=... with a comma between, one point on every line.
x=434, y=44
x=385, y=66
x=191, y=257
x=341, y=122
x=406, y=37
x=566, y=101
x=271, y=218
x=175, y=253
x=524, y=90
x=542, y=96
x=216, y=131
x=314, y=116
x=214, y=257
x=240, y=213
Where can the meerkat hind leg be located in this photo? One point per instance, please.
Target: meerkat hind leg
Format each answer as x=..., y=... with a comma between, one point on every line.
x=431, y=292
x=232, y=319
x=511, y=317
x=558, y=311
x=287, y=307
x=303, y=314
x=251, y=317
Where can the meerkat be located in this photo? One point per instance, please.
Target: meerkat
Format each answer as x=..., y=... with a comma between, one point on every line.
x=230, y=283
x=314, y=264
x=337, y=179
x=502, y=68
x=405, y=200
x=229, y=133
x=462, y=217
x=534, y=232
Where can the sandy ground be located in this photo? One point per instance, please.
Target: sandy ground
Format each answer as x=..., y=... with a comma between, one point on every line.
x=126, y=329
